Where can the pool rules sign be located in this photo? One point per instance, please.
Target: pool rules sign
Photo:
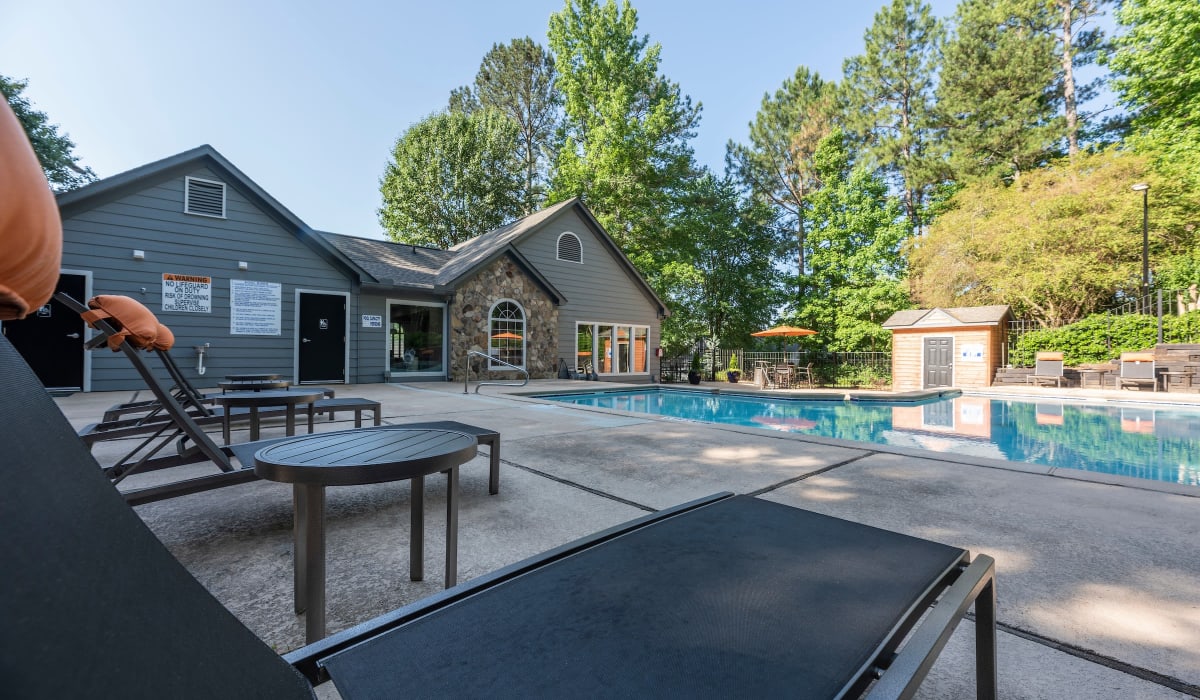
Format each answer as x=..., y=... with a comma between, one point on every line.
x=186, y=293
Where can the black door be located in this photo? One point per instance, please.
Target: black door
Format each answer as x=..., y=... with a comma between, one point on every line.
x=51, y=338
x=939, y=363
x=322, y=338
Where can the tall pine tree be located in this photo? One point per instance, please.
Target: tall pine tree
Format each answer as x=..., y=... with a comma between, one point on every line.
x=889, y=92
x=998, y=98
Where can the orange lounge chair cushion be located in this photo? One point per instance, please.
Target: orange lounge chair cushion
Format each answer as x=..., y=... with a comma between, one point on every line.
x=1137, y=357
x=30, y=230
x=135, y=322
x=1050, y=356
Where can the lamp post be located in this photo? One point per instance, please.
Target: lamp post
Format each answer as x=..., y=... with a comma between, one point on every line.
x=1145, y=190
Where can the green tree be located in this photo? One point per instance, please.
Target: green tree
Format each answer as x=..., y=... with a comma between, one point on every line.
x=1076, y=47
x=1156, y=66
x=626, y=128
x=55, y=151
x=998, y=98
x=777, y=162
x=518, y=80
x=1063, y=242
x=452, y=176
x=721, y=279
x=889, y=93
x=857, y=232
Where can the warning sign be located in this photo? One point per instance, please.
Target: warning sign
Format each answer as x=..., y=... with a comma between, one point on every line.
x=187, y=293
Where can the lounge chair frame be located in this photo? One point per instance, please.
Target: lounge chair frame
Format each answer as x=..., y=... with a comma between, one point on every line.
x=1138, y=369
x=1048, y=367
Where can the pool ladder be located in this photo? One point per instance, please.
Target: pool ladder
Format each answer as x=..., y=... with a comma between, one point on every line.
x=467, y=371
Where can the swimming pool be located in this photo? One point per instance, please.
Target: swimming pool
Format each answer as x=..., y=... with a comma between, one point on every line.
x=1145, y=442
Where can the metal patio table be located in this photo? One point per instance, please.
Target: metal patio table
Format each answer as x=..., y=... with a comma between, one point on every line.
x=255, y=400
x=357, y=457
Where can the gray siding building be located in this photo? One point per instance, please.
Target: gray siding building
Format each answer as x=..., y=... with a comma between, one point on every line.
x=247, y=287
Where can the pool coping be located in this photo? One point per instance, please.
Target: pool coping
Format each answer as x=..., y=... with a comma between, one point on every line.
x=870, y=447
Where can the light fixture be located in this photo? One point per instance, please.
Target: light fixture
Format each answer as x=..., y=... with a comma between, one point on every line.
x=243, y=265
x=1145, y=190
x=139, y=255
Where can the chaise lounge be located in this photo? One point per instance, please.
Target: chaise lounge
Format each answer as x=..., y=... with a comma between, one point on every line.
x=1048, y=367
x=1137, y=369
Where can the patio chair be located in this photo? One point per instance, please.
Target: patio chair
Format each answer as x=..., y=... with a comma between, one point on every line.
x=783, y=376
x=94, y=605
x=804, y=374
x=1137, y=369
x=1048, y=367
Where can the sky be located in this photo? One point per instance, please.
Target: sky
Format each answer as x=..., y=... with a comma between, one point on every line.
x=308, y=98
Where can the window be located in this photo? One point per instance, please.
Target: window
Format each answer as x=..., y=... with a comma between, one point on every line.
x=611, y=348
x=415, y=338
x=506, y=335
x=569, y=248
x=204, y=197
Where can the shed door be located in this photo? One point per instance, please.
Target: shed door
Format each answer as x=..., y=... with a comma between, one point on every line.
x=939, y=362
x=322, y=351
x=51, y=338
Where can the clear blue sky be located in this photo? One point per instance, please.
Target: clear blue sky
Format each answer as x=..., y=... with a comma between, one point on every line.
x=308, y=98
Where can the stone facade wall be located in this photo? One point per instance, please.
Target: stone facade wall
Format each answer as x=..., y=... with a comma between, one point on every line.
x=503, y=279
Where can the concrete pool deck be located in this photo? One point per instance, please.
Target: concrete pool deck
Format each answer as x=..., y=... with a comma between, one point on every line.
x=1099, y=584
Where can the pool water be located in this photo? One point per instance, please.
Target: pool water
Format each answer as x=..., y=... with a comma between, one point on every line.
x=1145, y=442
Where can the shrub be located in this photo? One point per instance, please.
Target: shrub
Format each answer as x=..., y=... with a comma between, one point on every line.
x=1102, y=337
x=733, y=364
x=696, y=362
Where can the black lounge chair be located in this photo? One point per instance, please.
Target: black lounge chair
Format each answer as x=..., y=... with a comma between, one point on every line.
x=723, y=596
x=1137, y=369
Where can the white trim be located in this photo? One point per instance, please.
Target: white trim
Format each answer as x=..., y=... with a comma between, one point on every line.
x=595, y=326
x=187, y=189
x=524, y=336
x=558, y=247
x=387, y=338
x=296, y=336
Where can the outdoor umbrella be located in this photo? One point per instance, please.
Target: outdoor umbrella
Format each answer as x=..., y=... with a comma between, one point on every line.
x=782, y=331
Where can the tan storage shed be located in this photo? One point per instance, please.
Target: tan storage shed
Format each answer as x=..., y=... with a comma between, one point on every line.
x=958, y=347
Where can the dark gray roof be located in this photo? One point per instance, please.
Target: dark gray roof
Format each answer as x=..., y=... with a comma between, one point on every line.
x=961, y=315
x=397, y=264
x=482, y=249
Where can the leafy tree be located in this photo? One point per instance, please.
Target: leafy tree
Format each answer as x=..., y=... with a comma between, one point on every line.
x=721, y=280
x=1063, y=242
x=777, y=162
x=452, y=176
x=55, y=151
x=997, y=99
x=1157, y=77
x=518, y=80
x=889, y=93
x=626, y=128
x=857, y=231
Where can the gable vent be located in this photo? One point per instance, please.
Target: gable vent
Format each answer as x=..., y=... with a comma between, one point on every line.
x=569, y=248
x=204, y=197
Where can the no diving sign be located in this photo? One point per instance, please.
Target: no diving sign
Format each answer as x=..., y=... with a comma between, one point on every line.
x=186, y=293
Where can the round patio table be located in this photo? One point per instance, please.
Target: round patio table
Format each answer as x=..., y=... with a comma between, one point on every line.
x=355, y=457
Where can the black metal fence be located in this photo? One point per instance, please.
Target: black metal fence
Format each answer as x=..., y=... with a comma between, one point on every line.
x=834, y=370
x=1159, y=304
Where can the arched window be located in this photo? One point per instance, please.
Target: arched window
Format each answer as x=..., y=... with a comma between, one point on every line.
x=506, y=334
x=569, y=248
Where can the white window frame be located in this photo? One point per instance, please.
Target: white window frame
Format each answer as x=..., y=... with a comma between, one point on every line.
x=558, y=248
x=187, y=189
x=617, y=326
x=492, y=365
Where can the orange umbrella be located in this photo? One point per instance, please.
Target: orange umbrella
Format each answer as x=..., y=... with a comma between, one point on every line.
x=507, y=336
x=782, y=330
